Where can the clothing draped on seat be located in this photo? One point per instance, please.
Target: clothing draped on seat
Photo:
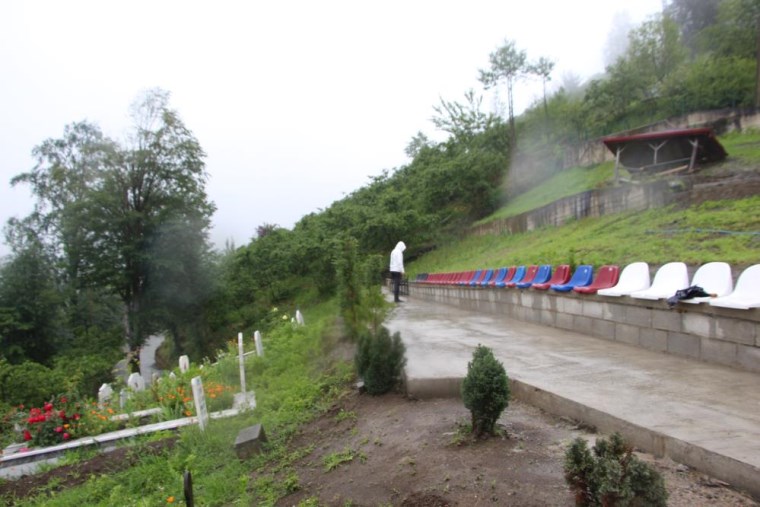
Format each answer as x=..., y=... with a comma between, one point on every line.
x=670, y=278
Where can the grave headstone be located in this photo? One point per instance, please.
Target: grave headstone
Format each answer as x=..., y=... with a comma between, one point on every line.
x=155, y=378
x=184, y=364
x=259, y=343
x=172, y=375
x=104, y=394
x=249, y=441
x=123, y=397
x=241, y=361
x=136, y=382
x=199, y=399
x=299, y=318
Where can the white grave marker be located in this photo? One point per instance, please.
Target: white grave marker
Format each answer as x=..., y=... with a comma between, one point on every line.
x=299, y=318
x=136, y=382
x=200, y=402
x=241, y=356
x=104, y=393
x=184, y=364
x=259, y=343
x=123, y=397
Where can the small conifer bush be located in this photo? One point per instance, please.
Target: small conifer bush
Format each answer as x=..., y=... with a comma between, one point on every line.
x=485, y=390
x=379, y=359
x=611, y=475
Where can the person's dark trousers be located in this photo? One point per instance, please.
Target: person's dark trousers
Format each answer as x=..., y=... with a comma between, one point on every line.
x=396, y=279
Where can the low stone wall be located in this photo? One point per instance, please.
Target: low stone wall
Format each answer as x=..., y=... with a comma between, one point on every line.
x=707, y=333
x=592, y=203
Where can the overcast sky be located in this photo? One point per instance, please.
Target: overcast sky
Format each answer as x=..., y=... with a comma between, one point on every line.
x=296, y=103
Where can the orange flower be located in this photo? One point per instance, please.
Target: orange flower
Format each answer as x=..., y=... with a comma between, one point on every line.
x=170, y=499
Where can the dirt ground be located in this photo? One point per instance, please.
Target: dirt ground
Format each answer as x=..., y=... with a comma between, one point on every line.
x=410, y=453
x=390, y=450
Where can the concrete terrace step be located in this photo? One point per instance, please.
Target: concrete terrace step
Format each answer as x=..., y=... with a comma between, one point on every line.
x=702, y=415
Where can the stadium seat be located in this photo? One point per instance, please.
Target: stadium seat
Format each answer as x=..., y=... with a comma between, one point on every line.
x=671, y=277
x=508, y=277
x=530, y=272
x=561, y=276
x=714, y=278
x=499, y=276
x=633, y=278
x=542, y=274
x=580, y=278
x=484, y=277
x=606, y=277
x=746, y=295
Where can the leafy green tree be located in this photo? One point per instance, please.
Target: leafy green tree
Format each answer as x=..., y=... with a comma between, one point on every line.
x=30, y=307
x=103, y=205
x=543, y=68
x=463, y=121
x=485, y=390
x=508, y=65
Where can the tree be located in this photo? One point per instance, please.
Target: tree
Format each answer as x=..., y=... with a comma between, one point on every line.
x=103, y=206
x=508, y=64
x=485, y=390
x=543, y=69
x=30, y=307
x=463, y=121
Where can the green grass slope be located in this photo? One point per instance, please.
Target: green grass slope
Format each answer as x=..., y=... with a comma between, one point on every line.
x=722, y=230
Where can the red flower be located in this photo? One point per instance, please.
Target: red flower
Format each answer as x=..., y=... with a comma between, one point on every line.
x=58, y=429
x=64, y=400
x=76, y=417
x=48, y=407
x=66, y=436
x=27, y=436
x=62, y=414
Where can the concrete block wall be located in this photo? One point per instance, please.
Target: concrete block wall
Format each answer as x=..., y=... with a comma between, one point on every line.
x=703, y=332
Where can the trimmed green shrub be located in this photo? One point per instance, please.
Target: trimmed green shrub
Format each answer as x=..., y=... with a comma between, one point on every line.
x=612, y=476
x=485, y=390
x=379, y=359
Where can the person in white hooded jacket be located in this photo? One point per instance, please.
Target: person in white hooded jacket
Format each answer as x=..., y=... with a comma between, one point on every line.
x=397, y=268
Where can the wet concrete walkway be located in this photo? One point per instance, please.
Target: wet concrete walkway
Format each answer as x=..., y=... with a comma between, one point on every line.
x=705, y=416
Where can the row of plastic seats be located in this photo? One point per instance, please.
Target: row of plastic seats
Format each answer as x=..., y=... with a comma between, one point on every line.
x=714, y=278
x=539, y=277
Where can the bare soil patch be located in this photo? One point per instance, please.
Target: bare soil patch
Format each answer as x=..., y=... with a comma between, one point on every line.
x=410, y=453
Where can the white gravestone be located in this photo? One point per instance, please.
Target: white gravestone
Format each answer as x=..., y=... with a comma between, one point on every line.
x=172, y=375
x=104, y=394
x=184, y=364
x=241, y=360
x=299, y=318
x=200, y=402
x=259, y=343
x=136, y=382
x=123, y=397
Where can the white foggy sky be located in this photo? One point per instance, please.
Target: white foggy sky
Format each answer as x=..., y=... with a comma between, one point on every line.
x=296, y=103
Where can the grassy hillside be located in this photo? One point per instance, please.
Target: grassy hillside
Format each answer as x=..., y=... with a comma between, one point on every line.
x=713, y=231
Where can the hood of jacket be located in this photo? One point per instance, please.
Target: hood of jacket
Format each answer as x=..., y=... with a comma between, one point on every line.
x=400, y=246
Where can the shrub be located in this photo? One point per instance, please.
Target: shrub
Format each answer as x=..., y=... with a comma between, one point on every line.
x=380, y=359
x=611, y=476
x=485, y=390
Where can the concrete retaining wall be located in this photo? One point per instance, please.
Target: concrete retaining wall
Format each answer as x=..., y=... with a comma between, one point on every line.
x=712, y=334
